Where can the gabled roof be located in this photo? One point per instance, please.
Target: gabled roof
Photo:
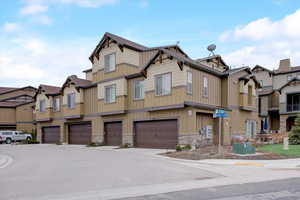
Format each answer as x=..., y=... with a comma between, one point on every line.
x=247, y=77
x=175, y=46
x=288, y=83
x=218, y=57
x=261, y=67
x=182, y=60
x=4, y=90
x=49, y=89
x=267, y=90
x=238, y=69
x=292, y=70
x=120, y=41
x=78, y=82
x=87, y=70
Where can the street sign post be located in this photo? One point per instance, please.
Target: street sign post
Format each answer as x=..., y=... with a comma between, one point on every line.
x=220, y=113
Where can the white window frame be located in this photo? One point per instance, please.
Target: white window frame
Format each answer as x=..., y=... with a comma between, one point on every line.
x=205, y=86
x=141, y=88
x=189, y=83
x=289, y=77
x=250, y=128
x=166, y=86
x=56, y=104
x=110, y=62
x=71, y=100
x=42, y=105
x=111, y=98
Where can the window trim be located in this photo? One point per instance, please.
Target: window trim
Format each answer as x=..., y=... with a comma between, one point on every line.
x=72, y=93
x=44, y=101
x=203, y=88
x=187, y=83
x=289, y=75
x=110, y=86
x=155, y=84
x=134, y=83
x=115, y=68
x=54, y=105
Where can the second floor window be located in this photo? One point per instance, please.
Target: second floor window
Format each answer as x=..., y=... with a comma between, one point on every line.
x=71, y=100
x=250, y=94
x=139, y=89
x=163, y=84
x=110, y=94
x=110, y=62
x=56, y=104
x=189, y=82
x=205, y=86
x=42, y=106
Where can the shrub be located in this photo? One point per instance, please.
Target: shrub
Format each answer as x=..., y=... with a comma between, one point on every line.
x=178, y=147
x=187, y=147
x=126, y=145
x=59, y=143
x=95, y=144
x=294, y=137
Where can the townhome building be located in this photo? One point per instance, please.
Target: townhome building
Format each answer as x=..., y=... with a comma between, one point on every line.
x=279, y=97
x=151, y=97
x=16, y=108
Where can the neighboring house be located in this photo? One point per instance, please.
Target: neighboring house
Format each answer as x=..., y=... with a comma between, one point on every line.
x=148, y=97
x=16, y=108
x=279, y=97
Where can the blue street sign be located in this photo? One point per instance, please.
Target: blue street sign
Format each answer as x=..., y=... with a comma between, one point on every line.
x=220, y=113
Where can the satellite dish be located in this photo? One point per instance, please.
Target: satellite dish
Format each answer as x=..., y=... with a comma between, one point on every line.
x=211, y=48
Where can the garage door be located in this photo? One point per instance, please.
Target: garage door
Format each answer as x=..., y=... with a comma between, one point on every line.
x=80, y=133
x=156, y=134
x=50, y=135
x=113, y=133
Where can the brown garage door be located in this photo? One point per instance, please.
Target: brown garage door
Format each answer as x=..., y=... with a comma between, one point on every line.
x=80, y=133
x=156, y=134
x=50, y=135
x=113, y=133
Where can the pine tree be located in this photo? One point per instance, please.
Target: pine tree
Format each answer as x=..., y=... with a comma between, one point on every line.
x=294, y=137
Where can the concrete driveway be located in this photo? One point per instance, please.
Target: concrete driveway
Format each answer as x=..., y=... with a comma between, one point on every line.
x=78, y=172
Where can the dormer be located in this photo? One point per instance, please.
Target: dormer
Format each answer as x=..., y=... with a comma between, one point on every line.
x=215, y=62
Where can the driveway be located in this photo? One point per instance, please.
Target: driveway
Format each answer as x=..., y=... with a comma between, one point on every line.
x=78, y=172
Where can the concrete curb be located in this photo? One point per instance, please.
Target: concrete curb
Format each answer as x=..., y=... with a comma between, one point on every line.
x=5, y=161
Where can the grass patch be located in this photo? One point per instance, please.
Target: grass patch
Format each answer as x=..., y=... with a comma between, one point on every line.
x=294, y=150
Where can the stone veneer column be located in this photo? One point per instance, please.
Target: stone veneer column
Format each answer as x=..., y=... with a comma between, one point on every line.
x=39, y=133
x=282, y=127
x=97, y=130
x=127, y=131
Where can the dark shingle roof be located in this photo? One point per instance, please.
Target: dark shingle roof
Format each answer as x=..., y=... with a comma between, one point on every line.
x=49, y=89
x=6, y=89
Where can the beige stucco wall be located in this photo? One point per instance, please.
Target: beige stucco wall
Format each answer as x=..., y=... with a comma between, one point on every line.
x=121, y=87
x=40, y=97
x=127, y=56
x=71, y=89
x=265, y=77
x=280, y=80
x=178, y=77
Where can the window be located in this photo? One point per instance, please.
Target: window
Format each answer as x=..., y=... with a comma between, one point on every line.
x=289, y=77
x=110, y=94
x=261, y=83
x=205, y=87
x=42, y=106
x=189, y=82
x=56, y=104
x=163, y=84
x=250, y=95
x=298, y=76
x=139, y=89
x=250, y=128
x=71, y=100
x=110, y=62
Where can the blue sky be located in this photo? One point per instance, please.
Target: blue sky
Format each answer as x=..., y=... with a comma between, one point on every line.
x=43, y=41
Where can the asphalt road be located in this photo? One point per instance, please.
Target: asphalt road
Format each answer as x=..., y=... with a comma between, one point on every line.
x=287, y=189
x=78, y=172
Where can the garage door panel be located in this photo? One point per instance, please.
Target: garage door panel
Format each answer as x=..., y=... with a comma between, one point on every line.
x=80, y=133
x=156, y=134
x=51, y=135
x=113, y=133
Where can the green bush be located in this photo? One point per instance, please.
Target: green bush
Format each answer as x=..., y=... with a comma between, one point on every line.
x=178, y=147
x=95, y=144
x=294, y=137
x=187, y=147
x=126, y=145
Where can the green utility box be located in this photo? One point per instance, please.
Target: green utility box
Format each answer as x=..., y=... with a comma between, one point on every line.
x=244, y=148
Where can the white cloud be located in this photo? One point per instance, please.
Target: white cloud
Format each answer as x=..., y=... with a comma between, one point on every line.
x=43, y=19
x=271, y=41
x=82, y=3
x=34, y=61
x=33, y=9
x=144, y=3
x=11, y=27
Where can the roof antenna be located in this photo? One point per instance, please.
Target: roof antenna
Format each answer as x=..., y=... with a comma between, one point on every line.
x=211, y=49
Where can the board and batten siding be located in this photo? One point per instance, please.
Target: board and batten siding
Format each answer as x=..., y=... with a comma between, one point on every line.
x=121, y=87
x=90, y=100
x=8, y=115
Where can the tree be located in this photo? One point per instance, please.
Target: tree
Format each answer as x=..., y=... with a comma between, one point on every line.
x=294, y=137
